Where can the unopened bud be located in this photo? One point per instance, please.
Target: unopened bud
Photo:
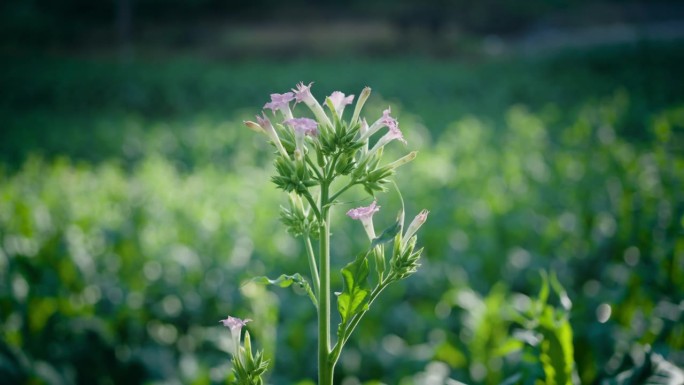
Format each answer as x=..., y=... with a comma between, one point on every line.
x=359, y=104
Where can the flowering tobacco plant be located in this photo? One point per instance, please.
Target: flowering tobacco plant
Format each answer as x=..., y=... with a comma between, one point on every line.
x=316, y=162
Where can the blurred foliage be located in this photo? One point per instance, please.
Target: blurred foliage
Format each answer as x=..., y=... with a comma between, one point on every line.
x=49, y=23
x=139, y=226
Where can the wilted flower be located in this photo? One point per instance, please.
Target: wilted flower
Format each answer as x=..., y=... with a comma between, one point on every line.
x=281, y=102
x=365, y=215
x=264, y=125
x=414, y=226
x=339, y=101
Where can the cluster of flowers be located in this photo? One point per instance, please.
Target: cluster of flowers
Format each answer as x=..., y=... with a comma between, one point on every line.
x=303, y=127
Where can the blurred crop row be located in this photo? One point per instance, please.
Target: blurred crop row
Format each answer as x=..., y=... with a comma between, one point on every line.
x=141, y=222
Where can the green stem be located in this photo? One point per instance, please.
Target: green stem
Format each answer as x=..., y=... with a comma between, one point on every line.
x=313, y=167
x=312, y=265
x=312, y=203
x=343, y=189
x=325, y=368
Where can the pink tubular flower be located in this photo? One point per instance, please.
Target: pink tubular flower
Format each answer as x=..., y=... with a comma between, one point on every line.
x=392, y=134
x=365, y=215
x=235, y=325
x=339, y=101
x=385, y=121
x=281, y=102
x=303, y=94
x=304, y=126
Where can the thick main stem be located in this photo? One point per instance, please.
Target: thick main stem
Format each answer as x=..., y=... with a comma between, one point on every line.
x=325, y=369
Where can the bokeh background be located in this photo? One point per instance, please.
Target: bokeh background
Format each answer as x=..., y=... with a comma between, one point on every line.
x=134, y=205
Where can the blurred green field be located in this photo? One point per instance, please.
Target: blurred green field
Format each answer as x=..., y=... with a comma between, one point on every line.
x=134, y=206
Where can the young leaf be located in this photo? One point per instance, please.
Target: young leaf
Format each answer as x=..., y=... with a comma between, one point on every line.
x=286, y=281
x=354, y=297
x=387, y=235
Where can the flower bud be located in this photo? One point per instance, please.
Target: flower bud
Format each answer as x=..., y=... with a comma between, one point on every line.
x=359, y=104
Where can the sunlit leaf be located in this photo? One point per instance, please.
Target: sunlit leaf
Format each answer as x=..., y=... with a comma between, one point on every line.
x=354, y=297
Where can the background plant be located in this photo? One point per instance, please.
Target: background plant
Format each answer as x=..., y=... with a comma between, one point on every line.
x=570, y=162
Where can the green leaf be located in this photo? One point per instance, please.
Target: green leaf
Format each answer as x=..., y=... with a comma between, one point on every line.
x=354, y=297
x=286, y=281
x=387, y=235
x=556, y=348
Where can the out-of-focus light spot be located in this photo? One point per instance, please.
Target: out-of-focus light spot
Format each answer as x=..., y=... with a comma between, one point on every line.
x=351, y=381
x=668, y=310
x=591, y=288
x=20, y=288
x=567, y=221
x=606, y=134
x=165, y=334
x=19, y=245
x=393, y=344
x=619, y=273
x=481, y=211
x=135, y=300
x=188, y=366
x=606, y=225
x=519, y=258
x=603, y=312
x=436, y=372
x=172, y=305
x=152, y=270
x=92, y=294
x=122, y=352
x=185, y=256
x=437, y=336
x=467, y=299
x=187, y=343
x=478, y=372
x=442, y=309
x=632, y=255
x=210, y=221
x=242, y=251
x=520, y=302
x=351, y=360
x=115, y=295
x=459, y=240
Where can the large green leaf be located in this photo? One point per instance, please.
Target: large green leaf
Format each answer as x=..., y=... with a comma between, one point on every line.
x=354, y=297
